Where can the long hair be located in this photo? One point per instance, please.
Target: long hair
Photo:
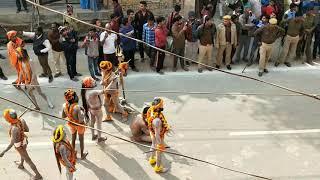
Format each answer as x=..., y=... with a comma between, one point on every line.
x=84, y=101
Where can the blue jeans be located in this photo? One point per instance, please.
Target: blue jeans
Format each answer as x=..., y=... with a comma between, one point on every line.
x=93, y=65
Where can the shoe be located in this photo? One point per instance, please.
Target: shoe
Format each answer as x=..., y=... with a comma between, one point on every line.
x=94, y=137
x=74, y=79
x=310, y=62
x=185, y=69
x=50, y=79
x=210, y=69
x=57, y=74
x=200, y=70
x=228, y=67
x=265, y=70
x=260, y=74
x=18, y=11
x=96, y=79
x=78, y=74
x=135, y=69
x=101, y=139
x=2, y=57
x=217, y=66
x=3, y=77
x=174, y=69
x=276, y=64
x=160, y=72
x=42, y=75
x=152, y=161
x=287, y=64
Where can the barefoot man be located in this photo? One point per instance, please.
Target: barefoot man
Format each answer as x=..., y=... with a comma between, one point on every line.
x=139, y=127
x=19, y=140
x=92, y=104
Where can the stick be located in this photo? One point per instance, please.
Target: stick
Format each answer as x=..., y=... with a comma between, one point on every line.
x=168, y=147
x=25, y=111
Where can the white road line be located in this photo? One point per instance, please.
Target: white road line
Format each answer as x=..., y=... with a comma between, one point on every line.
x=250, y=133
x=45, y=144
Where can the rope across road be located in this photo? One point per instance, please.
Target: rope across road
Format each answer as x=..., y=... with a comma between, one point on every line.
x=173, y=54
x=133, y=142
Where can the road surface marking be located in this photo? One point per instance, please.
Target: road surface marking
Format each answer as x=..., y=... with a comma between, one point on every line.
x=249, y=133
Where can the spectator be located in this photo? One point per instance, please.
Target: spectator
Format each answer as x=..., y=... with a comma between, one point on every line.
x=24, y=3
x=84, y=4
x=41, y=47
x=268, y=34
x=246, y=31
x=206, y=33
x=91, y=42
x=271, y=8
x=176, y=12
x=294, y=32
x=226, y=39
x=140, y=19
x=108, y=40
x=179, y=41
x=130, y=14
x=93, y=5
x=316, y=45
x=128, y=45
x=305, y=41
x=114, y=23
x=117, y=10
x=57, y=51
x=97, y=22
x=148, y=36
x=161, y=41
x=291, y=13
x=257, y=42
x=70, y=47
x=71, y=22
x=235, y=20
x=191, y=37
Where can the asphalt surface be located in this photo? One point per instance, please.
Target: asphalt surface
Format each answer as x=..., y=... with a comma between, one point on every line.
x=205, y=126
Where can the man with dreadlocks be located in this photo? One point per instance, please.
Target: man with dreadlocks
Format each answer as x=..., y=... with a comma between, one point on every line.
x=139, y=127
x=92, y=105
x=158, y=127
x=64, y=152
x=19, y=140
x=110, y=83
x=74, y=114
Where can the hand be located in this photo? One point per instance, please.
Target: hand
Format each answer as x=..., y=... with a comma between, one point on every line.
x=105, y=36
x=185, y=28
x=2, y=154
x=73, y=40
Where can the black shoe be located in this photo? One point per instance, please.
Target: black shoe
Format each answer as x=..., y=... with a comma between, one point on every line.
x=50, y=79
x=97, y=74
x=217, y=66
x=2, y=57
x=42, y=75
x=210, y=69
x=200, y=70
x=3, y=77
x=287, y=64
x=27, y=10
x=260, y=74
x=78, y=74
x=185, y=69
x=228, y=67
x=57, y=75
x=74, y=79
x=276, y=64
x=160, y=72
x=265, y=70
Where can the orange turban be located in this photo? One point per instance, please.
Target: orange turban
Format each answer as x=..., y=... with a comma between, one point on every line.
x=106, y=65
x=88, y=82
x=10, y=34
x=69, y=94
x=10, y=116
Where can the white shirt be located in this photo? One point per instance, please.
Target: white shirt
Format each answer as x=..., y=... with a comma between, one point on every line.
x=109, y=46
x=46, y=42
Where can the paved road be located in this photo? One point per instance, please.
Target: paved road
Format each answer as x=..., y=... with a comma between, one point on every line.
x=205, y=126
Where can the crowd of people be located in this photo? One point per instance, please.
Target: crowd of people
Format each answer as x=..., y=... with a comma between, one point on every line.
x=244, y=21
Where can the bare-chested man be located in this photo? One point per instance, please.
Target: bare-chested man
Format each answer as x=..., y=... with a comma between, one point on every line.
x=72, y=112
x=92, y=104
x=158, y=127
x=64, y=152
x=139, y=127
x=19, y=140
x=110, y=83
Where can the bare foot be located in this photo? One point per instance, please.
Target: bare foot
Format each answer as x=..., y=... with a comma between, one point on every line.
x=37, y=177
x=94, y=137
x=21, y=166
x=84, y=155
x=102, y=139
